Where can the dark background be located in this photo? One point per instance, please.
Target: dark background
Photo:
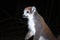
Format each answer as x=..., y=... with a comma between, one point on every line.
x=14, y=27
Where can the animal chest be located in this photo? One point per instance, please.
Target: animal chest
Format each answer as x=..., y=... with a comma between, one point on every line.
x=31, y=25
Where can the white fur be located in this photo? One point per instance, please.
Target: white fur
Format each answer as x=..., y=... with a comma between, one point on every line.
x=42, y=38
x=31, y=24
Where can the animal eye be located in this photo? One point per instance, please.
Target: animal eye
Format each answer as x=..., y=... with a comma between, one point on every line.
x=27, y=11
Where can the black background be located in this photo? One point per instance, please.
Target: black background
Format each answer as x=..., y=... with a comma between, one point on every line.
x=14, y=27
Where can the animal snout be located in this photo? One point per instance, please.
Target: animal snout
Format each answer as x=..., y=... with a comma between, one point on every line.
x=24, y=16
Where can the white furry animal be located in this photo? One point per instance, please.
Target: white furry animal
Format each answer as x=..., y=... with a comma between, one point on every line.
x=37, y=26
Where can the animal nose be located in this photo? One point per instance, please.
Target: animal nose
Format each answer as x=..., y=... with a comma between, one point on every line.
x=24, y=16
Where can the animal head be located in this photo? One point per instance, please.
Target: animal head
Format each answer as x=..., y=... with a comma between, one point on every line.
x=28, y=11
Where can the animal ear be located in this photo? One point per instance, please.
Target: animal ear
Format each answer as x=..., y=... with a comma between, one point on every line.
x=33, y=9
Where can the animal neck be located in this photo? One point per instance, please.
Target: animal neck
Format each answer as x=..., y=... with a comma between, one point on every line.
x=31, y=17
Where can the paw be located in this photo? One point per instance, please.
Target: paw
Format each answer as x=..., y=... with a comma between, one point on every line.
x=26, y=39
